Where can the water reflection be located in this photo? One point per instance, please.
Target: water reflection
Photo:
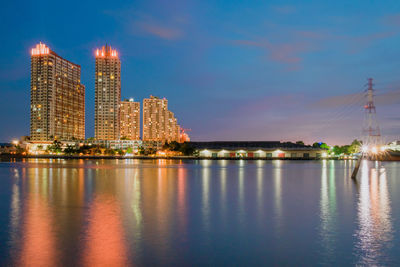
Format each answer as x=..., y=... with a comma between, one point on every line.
x=105, y=243
x=38, y=246
x=205, y=194
x=163, y=212
x=328, y=212
x=277, y=178
x=375, y=233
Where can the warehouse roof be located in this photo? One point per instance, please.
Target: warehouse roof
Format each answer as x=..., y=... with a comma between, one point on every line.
x=252, y=145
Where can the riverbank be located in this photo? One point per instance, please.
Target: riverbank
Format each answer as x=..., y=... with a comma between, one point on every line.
x=14, y=156
x=91, y=157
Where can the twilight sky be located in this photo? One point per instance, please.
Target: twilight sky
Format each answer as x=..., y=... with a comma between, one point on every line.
x=231, y=70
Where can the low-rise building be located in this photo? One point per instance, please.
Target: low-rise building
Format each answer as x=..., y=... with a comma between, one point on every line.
x=7, y=148
x=250, y=149
x=395, y=146
x=117, y=144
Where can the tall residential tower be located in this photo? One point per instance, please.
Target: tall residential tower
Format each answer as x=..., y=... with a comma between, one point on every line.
x=159, y=124
x=130, y=119
x=57, y=97
x=107, y=94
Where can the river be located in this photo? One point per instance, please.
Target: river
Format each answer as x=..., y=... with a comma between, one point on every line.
x=198, y=212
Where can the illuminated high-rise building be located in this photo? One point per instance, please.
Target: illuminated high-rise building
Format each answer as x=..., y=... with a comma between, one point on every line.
x=154, y=110
x=171, y=127
x=57, y=97
x=159, y=124
x=130, y=119
x=107, y=94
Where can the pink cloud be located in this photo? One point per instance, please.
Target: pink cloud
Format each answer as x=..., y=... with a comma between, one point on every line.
x=314, y=35
x=386, y=98
x=163, y=32
x=286, y=9
x=286, y=53
x=393, y=20
x=340, y=101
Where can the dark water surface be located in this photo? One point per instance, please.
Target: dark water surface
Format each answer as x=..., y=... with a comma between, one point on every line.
x=181, y=213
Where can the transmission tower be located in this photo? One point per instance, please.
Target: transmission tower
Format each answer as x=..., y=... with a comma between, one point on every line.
x=371, y=131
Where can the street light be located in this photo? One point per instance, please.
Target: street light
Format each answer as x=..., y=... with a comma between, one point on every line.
x=364, y=149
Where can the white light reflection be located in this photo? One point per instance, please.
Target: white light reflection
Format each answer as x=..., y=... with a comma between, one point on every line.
x=241, y=190
x=223, y=175
x=205, y=192
x=328, y=214
x=260, y=184
x=15, y=209
x=260, y=174
x=278, y=194
x=375, y=232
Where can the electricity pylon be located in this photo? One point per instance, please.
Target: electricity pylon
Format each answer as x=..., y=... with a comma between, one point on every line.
x=371, y=130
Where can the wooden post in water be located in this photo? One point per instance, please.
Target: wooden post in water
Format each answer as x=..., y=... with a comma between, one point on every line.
x=355, y=171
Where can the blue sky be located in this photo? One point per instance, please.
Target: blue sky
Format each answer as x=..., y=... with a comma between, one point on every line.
x=231, y=70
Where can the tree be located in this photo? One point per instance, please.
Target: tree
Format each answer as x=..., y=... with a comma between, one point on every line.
x=300, y=143
x=186, y=149
x=119, y=152
x=165, y=145
x=20, y=150
x=324, y=146
x=174, y=146
x=355, y=146
x=97, y=150
x=109, y=151
x=69, y=150
x=337, y=150
x=321, y=145
x=55, y=147
x=129, y=150
x=141, y=150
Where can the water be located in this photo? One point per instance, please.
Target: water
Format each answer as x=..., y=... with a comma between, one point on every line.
x=181, y=213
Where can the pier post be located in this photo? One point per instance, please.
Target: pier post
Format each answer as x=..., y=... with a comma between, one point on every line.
x=357, y=167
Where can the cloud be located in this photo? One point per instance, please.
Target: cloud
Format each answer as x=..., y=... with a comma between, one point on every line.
x=314, y=35
x=358, y=43
x=162, y=32
x=392, y=20
x=340, y=101
x=285, y=53
x=162, y=26
x=285, y=10
x=387, y=98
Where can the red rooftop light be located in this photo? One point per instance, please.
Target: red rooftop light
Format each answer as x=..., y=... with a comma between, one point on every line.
x=106, y=51
x=40, y=49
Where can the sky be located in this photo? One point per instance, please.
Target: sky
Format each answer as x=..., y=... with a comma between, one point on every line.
x=231, y=70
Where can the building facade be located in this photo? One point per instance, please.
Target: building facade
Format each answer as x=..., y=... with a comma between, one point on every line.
x=171, y=127
x=257, y=149
x=130, y=120
x=107, y=94
x=277, y=153
x=159, y=124
x=57, y=97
